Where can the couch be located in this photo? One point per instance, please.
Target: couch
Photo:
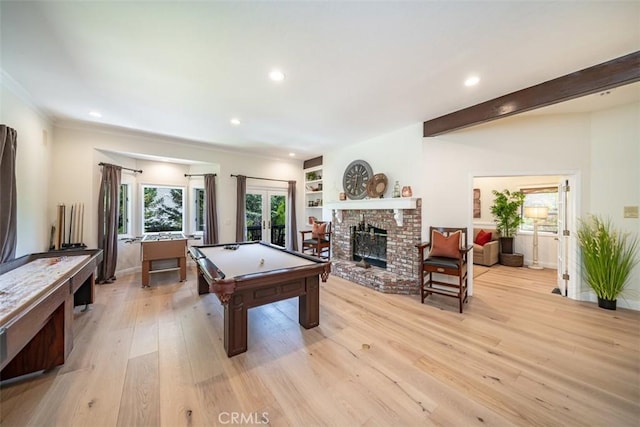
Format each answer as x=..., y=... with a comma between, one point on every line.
x=489, y=253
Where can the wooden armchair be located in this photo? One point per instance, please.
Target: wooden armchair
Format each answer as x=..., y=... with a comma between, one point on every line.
x=317, y=241
x=447, y=255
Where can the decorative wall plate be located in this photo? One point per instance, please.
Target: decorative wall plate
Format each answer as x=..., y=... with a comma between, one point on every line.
x=377, y=185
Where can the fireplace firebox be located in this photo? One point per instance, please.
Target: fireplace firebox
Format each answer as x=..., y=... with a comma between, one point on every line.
x=369, y=244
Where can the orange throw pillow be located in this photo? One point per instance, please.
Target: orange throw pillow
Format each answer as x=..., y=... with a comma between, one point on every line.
x=483, y=238
x=319, y=230
x=445, y=246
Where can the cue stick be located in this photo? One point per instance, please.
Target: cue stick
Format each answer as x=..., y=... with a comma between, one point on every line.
x=76, y=229
x=61, y=215
x=64, y=225
x=81, y=221
x=57, y=239
x=70, y=224
x=74, y=224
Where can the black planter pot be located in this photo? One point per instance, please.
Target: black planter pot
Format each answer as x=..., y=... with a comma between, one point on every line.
x=506, y=244
x=607, y=304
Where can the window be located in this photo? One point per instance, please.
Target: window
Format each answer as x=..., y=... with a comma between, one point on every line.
x=124, y=207
x=163, y=208
x=198, y=197
x=541, y=196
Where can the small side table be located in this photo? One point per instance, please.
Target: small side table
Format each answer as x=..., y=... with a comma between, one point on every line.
x=512, y=260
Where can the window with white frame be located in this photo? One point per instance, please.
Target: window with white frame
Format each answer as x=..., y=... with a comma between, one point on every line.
x=541, y=196
x=162, y=208
x=124, y=208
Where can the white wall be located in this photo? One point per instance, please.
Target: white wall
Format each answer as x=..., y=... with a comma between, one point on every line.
x=398, y=155
x=615, y=178
x=33, y=159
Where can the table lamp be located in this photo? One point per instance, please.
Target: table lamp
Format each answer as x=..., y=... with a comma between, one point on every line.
x=536, y=213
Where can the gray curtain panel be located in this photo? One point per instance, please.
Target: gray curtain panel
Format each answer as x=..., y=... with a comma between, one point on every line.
x=210, y=236
x=292, y=229
x=241, y=194
x=108, y=221
x=8, y=200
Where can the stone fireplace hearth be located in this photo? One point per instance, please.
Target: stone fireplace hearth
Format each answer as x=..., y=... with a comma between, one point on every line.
x=403, y=228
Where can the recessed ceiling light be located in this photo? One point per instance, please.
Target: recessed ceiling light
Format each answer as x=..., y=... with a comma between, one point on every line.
x=292, y=154
x=472, y=81
x=276, y=75
x=235, y=121
x=95, y=114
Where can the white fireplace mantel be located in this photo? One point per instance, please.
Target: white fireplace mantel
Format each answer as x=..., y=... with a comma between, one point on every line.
x=396, y=204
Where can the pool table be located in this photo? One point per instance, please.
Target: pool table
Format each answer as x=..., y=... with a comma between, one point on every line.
x=250, y=274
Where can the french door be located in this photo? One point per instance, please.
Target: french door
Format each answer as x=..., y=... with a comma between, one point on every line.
x=266, y=211
x=566, y=264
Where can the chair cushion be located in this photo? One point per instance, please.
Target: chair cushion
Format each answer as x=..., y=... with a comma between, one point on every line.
x=318, y=229
x=482, y=238
x=445, y=246
x=442, y=262
x=314, y=241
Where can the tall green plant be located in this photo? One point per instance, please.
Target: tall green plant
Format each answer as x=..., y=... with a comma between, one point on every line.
x=608, y=256
x=506, y=210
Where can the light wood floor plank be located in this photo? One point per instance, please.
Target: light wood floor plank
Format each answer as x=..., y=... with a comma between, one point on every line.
x=140, y=403
x=179, y=405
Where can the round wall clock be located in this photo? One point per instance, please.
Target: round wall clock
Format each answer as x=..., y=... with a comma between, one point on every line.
x=355, y=179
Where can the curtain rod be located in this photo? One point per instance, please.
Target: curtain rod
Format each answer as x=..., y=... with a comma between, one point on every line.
x=121, y=167
x=199, y=174
x=265, y=179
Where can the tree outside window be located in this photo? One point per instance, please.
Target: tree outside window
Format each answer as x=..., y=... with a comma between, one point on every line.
x=123, y=210
x=163, y=209
x=253, y=209
x=199, y=209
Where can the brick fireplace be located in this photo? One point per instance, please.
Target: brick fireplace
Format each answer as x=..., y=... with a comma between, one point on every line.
x=402, y=221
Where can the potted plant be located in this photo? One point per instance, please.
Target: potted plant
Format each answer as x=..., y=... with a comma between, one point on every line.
x=506, y=212
x=608, y=257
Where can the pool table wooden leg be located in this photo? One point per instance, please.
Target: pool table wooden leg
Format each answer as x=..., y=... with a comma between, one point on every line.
x=203, y=286
x=309, y=304
x=235, y=325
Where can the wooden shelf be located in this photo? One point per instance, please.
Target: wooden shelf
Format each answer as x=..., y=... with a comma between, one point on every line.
x=314, y=196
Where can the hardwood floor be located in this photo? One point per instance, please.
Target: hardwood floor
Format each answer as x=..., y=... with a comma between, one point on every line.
x=519, y=355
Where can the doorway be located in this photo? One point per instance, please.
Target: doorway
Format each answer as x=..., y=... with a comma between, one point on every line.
x=266, y=215
x=557, y=249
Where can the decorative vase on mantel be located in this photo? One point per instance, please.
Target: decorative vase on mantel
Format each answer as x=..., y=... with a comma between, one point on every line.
x=396, y=189
x=607, y=303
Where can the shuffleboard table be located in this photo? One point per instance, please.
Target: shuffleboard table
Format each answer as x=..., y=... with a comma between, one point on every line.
x=37, y=295
x=250, y=274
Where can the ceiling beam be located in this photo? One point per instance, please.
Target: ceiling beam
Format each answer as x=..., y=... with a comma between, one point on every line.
x=610, y=74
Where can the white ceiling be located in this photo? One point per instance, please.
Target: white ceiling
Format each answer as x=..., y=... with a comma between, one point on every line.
x=354, y=70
